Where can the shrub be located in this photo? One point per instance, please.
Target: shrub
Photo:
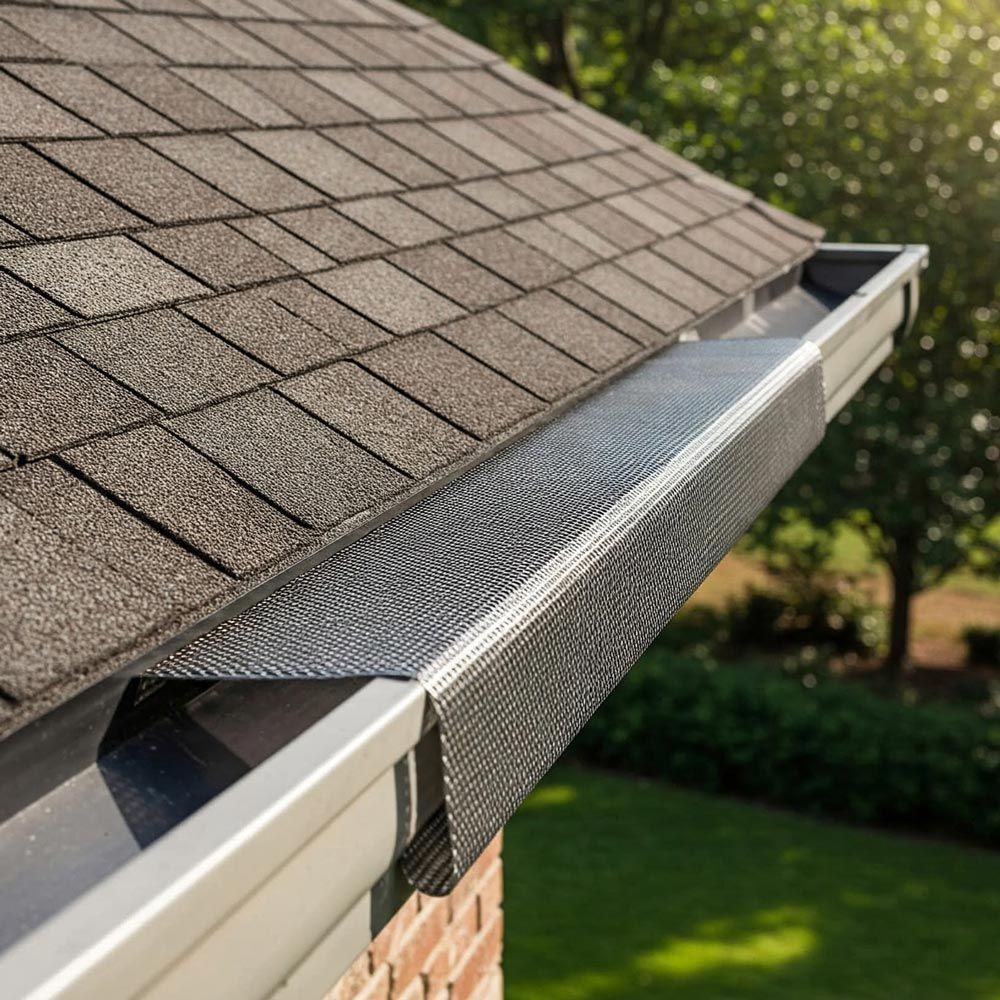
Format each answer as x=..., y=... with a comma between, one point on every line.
x=983, y=645
x=817, y=745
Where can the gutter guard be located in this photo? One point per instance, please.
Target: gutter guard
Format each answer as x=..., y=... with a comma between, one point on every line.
x=520, y=594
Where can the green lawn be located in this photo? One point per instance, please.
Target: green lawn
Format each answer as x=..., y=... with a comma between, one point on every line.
x=618, y=888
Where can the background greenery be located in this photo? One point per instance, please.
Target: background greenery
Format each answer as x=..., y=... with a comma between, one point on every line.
x=878, y=119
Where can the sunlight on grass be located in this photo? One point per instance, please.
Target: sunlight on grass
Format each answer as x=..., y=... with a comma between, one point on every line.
x=783, y=936
x=551, y=795
x=619, y=888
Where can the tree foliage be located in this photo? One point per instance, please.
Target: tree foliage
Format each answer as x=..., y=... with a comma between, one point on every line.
x=880, y=120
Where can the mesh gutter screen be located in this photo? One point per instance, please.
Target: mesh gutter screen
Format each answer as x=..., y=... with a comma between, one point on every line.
x=522, y=592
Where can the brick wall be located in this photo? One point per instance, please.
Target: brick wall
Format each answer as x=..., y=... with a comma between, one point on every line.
x=438, y=949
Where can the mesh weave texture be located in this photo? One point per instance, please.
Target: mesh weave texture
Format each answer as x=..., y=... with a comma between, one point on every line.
x=522, y=592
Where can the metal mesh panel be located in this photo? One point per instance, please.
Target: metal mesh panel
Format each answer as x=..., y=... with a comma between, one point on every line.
x=521, y=593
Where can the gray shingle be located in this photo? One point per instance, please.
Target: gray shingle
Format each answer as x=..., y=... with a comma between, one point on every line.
x=452, y=384
x=613, y=225
x=229, y=90
x=606, y=310
x=454, y=275
x=696, y=197
x=47, y=202
x=787, y=221
x=362, y=94
x=10, y=234
x=474, y=138
x=426, y=104
x=451, y=85
x=111, y=535
x=15, y=44
x=762, y=223
x=643, y=214
x=512, y=129
x=172, y=97
x=25, y=114
x=392, y=220
x=386, y=155
x=166, y=358
x=23, y=310
x=264, y=329
x=383, y=420
x=579, y=233
x=519, y=355
x=511, y=259
x=294, y=460
x=419, y=139
x=621, y=170
x=204, y=506
x=543, y=187
x=540, y=235
x=319, y=162
x=239, y=172
x=215, y=254
x=332, y=233
x=679, y=285
x=308, y=103
x=569, y=329
x=292, y=41
x=293, y=251
x=715, y=241
x=87, y=95
x=147, y=183
x=501, y=92
x=451, y=209
x=752, y=238
x=499, y=197
x=63, y=611
x=588, y=179
x=549, y=125
x=636, y=297
x=78, y=36
x=49, y=399
x=174, y=40
x=387, y=296
x=95, y=277
x=249, y=49
x=659, y=198
x=395, y=47
x=719, y=273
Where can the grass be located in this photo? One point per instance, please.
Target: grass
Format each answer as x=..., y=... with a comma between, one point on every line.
x=618, y=888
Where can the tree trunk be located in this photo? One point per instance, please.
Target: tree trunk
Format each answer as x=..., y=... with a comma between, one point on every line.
x=903, y=588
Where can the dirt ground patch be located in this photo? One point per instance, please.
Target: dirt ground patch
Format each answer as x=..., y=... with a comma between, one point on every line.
x=940, y=615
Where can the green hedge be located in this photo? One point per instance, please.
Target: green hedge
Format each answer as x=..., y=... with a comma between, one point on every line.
x=834, y=749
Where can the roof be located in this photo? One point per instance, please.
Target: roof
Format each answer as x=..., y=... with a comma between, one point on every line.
x=270, y=271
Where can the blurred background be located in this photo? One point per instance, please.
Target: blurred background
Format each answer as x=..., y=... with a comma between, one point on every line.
x=797, y=792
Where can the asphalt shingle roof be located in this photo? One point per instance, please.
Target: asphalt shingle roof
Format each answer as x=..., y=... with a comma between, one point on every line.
x=268, y=269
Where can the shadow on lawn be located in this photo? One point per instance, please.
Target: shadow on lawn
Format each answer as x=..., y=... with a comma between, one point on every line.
x=622, y=889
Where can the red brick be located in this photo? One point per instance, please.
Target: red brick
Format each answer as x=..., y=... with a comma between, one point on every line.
x=378, y=985
x=391, y=936
x=477, y=965
x=490, y=892
x=468, y=886
x=415, y=991
x=492, y=987
x=457, y=940
x=408, y=959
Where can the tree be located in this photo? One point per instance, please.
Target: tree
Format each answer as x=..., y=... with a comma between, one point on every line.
x=879, y=120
